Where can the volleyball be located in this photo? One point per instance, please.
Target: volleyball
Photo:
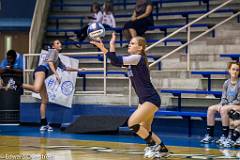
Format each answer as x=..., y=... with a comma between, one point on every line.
x=95, y=31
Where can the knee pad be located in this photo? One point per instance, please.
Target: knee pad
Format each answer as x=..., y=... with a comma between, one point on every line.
x=149, y=137
x=234, y=115
x=135, y=128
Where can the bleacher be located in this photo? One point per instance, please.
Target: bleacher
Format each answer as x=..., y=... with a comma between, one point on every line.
x=157, y=3
x=233, y=56
x=178, y=88
x=58, y=23
x=60, y=19
x=186, y=115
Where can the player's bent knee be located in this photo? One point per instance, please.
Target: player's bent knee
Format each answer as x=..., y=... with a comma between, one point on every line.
x=135, y=127
x=211, y=110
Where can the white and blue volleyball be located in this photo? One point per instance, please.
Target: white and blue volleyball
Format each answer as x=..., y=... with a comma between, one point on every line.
x=96, y=31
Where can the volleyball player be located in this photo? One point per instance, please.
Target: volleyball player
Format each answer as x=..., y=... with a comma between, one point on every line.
x=149, y=101
x=47, y=68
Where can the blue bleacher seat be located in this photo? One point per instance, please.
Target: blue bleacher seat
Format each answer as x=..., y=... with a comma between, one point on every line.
x=207, y=74
x=233, y=56
x=119, y=30
x=182, y=13
x=156, y=3
x=179, y=93
x=165, y=28
x=185, y=115
x=182, y=41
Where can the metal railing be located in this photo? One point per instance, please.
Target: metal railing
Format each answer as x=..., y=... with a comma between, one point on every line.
x=28, y=70
x=189, y=40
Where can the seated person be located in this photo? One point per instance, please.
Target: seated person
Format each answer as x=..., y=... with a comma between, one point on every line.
x=108, y=19
x=141, y=19
x=13, y=63
x=230, y=100
x=96, y=17
x=233, y=139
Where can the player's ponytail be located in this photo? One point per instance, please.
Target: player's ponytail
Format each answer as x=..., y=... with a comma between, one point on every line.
x=142, y=43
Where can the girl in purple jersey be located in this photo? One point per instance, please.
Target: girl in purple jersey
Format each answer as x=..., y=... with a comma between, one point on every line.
x=149, y=101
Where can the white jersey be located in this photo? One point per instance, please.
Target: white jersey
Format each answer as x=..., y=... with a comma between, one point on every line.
x=109, y=19
x=50, y=56
x=97, y=17
x=47, y=56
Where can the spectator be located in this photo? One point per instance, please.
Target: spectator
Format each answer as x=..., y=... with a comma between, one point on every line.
x=108, y=20
x=233, y=139
x=141, y=19
x=96, y=17
x=13, y=61
x=230, y=100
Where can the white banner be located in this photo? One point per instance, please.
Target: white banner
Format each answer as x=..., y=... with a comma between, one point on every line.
x=62, y=93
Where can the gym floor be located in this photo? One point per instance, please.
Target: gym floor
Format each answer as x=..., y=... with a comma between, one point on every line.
x=27, y=142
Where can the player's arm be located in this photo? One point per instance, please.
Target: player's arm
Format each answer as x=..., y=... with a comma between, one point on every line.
x=69, y=69
x=224, y=100
x=52, y=67
x=237, y=100
x=112, y=43
x=123, y=60
x=115, y=60
x=120, y=60
x=51, y=60
x=99, y=44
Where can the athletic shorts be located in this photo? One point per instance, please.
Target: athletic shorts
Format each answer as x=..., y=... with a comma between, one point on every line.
x=41, y=68
x=154, y=99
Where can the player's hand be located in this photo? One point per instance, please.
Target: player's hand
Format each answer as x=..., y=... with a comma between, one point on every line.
x=99, y=44
x=113, y=39
x=58, y=78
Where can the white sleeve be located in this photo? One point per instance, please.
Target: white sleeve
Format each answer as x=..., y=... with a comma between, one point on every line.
x=113, y=21
x=99, y=17
x=131, y=60
x=53, y=55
